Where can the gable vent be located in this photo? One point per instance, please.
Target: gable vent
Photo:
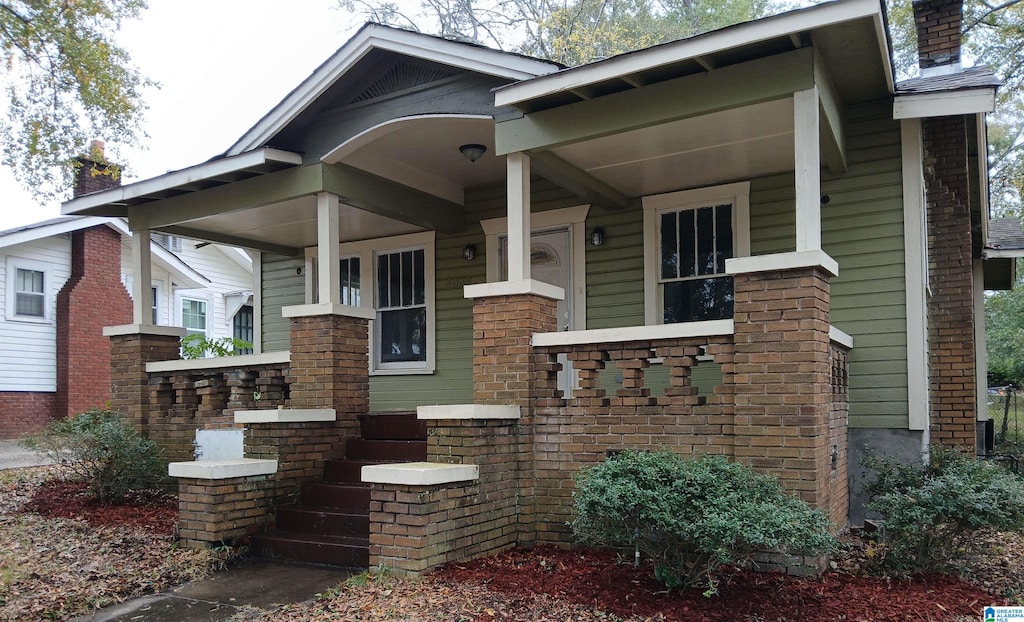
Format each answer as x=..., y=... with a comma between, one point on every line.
x=400, y=77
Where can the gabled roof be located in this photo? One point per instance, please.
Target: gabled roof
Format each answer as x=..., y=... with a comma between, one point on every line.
x=186, y=274
x=460, y=54
x=747, y=39
x=1005, y=238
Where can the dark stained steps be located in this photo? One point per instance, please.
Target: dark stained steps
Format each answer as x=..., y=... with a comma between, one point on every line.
x=331, y=522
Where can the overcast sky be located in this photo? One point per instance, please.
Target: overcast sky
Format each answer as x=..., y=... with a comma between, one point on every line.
x=222, y=65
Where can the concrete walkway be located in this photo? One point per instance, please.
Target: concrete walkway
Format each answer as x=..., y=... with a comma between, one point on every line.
x=14, y=456
x=263, y=584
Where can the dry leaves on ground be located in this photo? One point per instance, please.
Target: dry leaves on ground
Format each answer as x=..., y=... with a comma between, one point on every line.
x=87, y=557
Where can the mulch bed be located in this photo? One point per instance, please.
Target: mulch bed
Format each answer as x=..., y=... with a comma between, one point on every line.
x=152, y=511
x=596, y=579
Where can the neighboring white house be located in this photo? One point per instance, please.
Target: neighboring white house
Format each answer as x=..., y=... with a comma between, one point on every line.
x=51, y=359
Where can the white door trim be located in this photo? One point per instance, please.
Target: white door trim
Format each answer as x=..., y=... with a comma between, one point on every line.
x=572, y=218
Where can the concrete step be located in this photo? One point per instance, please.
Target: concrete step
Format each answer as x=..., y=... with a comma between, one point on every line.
x=324, y=521
x=385, y=451
x=351, y=497
x=392, y=427
x=317, y=549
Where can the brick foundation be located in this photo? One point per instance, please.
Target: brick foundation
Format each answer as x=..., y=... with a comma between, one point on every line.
x=23, y=413
x=950, y=277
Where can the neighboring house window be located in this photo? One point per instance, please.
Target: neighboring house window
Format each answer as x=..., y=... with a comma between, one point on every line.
x=156, y=305
x=193, y=316
x=174, y=243
x=399, y=273
x=242, y=327
x=30, y=293
x=401, y=307
x=688, y=237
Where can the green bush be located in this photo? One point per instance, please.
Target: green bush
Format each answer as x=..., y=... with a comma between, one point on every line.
x=691, y=516
x=198, y=345
x=100, y=448
x=935, y=510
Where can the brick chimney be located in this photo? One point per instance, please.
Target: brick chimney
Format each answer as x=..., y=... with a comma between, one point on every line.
x=92, y=298
x=939, y=34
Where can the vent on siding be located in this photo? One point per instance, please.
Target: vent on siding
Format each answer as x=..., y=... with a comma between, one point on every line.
x=401, y=76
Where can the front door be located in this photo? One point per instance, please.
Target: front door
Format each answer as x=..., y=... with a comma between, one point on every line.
x=551, y=262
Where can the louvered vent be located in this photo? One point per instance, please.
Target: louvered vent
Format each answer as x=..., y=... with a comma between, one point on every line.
x=401, y=76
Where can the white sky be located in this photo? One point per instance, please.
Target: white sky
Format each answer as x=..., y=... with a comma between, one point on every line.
x=222, y=65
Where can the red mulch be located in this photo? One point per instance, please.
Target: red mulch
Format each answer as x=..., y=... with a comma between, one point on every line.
x=153, y=511
x=594, y=578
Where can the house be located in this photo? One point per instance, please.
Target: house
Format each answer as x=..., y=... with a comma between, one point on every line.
x=752, y=242
x=62, y=280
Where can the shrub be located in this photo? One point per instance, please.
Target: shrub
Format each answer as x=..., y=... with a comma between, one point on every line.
x=100, y=448
x=198, y=345
x=935, y=510
x=691, y=516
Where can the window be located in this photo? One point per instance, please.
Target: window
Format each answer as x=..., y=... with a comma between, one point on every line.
x=193, y=316
x=401, y=307
x=688, y=237
x=242, y=327
x=156, y=305
x=399, y=276
x=29, y=293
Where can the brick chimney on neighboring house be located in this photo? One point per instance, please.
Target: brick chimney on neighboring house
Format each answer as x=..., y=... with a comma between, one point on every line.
x=92, y=298
x=953, y=381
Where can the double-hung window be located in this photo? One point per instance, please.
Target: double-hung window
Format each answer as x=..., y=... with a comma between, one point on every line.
x=395, y=277
x=689, y=236
x=193, y=316
x=28, y=290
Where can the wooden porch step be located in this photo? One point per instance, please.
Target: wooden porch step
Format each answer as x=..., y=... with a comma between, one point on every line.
x=325, y=521
x=317, y=549
x=346, y=471
x=336, y=496
x=392, y=427
x=385, y=450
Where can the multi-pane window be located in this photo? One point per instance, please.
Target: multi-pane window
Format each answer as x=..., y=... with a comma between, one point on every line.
x=193, y=316
x=693, y=246
x=30, y=293
x=401, y=307
x=242, y=327
x=349, y=270
x=156, y=307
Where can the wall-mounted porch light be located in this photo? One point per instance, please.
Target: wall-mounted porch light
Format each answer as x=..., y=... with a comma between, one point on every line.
x=597, y=236
x=473, y=151
x=469, y=252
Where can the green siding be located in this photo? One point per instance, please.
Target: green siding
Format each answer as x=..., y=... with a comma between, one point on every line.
x=283, y=285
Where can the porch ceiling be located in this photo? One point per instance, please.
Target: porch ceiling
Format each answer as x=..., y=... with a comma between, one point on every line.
x=733, y=144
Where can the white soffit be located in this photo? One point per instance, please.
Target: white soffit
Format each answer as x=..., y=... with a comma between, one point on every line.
x=374, y=36
x=822, y=15
x=973, y=101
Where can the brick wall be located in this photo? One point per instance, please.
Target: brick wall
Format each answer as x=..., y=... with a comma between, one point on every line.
x=300, y=450
x=951, y=305
x=938, y=31
x=415, y=528
x=129, y=383
x=93, y=297
x=25, y=413
x=210, y=512
x=838, y=435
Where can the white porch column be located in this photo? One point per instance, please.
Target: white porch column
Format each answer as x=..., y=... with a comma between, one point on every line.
x=142, y=281
x=518, y=216
x=327, y=239
x=808, y=170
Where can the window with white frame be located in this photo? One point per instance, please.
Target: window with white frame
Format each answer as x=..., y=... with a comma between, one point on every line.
x=194, y=316
x=28, y=285
x=156, y=305
x=399, y=273
x=688, y=237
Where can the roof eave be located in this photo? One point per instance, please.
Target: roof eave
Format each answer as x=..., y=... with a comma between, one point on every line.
x=944, y=103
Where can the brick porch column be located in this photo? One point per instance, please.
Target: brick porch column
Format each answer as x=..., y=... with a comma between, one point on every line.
x=783, y=372
x=131, y=347
x=330, y=361
x=507, y=372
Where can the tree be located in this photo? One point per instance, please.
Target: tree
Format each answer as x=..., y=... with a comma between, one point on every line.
x=571, y=32
x=65, y=81
x=1004, y=335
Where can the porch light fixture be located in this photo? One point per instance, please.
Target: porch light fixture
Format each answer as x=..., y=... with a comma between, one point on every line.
x=597, y=236
x=469, y=252
x=473, y=152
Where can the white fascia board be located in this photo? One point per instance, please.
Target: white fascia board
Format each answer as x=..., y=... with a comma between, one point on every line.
x=842, y=338
x=922, y=105
x=207, y=170
x=482, y=60
x=1003, y=253
x=819, y=16
x=45, y=231
x=187, y=276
